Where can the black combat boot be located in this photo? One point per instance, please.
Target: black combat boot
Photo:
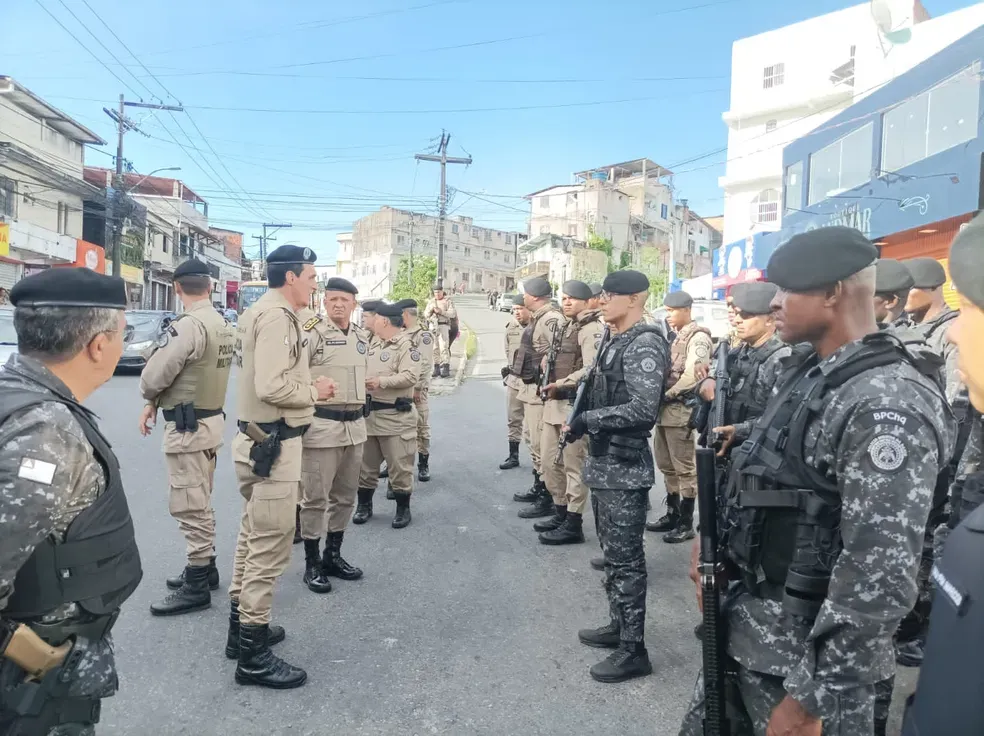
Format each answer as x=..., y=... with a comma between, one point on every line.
x=668, y=521
x=560, y=513
x=314, y=578
x=423, y=468
x=570, y=532
x=909, y=654
x=363, y=511
x=333, y=563
x=297, y=526
x=275, y=634
x=699, y=631
x=193, y=595
x=597, y=563
x=543, y=505
x=384, y=472
x=446, y=370
x=628, y=661
x=512, y=461
x=881, y=727
x=685, y=528
x=390, y=495
x=604, y=638
x=437, y=371
x=259, y=666
x=402, y=517
x=531, y=495
x=213, y=577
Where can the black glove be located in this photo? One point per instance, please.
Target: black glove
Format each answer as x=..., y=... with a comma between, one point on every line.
x=505, y=372
x=579, y=427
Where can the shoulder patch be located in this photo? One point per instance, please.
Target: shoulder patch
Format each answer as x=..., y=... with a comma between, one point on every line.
x=701, y=350
x=361, y=347
x=877, y=417
x=172, y=329
x=38, y=471
x=648, y=365
x=426, y=338
x=414, y=356
x=887, y=453
x=384, y=356
x=310, y=324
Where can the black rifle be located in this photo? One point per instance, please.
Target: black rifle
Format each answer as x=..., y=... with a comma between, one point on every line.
x=555, y=338
x=722, y=388
x=711, y=571
x=577, y=407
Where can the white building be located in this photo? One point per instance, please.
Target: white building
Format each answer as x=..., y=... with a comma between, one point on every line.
x=789, y=81
x=480, y=258
x=42, y=157
x=344, y=266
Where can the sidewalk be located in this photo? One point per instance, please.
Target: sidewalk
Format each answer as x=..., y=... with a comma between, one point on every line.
x=459, y=362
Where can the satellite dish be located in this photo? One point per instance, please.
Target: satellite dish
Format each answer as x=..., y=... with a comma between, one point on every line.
x=894, y=19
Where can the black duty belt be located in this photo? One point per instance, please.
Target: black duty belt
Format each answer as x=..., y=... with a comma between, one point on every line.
x=169, y=414
x=285, y=432
x=337, y=415
x=402, y=404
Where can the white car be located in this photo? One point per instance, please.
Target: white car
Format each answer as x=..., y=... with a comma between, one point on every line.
x=8, y=336
x=504, y=303
x=708, y=313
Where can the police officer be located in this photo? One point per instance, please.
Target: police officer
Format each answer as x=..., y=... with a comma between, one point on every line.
x=595, y=301
x=545, y=326
x=947, y=698
x=674, y=443
x=422, y=341
x=827, y=499
x=68, y=559
x=369, y=316
x=440, y=312
x=186, y=377
x=892, y=285
x=393, y=372
x=276, y=398
x=933, y=316
x=514, y=407
x=576, y=349
x=334, y=442
x=624, y=395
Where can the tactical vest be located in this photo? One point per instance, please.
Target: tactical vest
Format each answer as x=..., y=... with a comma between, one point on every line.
x=783, y=516
x=340, y=357
x=514, y=333
x=742, y=403
x=204, y=382
x=967, y=493
x=678, y=351
x=97, y=566
x=948, y=697
x=526, y=361
x=569, y=358
x=248, y=405
x=939, y=323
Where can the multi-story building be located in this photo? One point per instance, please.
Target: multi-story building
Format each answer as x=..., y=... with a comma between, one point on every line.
x=477, y=257
x=788, y=83
x=42, y=157
x=344, y=265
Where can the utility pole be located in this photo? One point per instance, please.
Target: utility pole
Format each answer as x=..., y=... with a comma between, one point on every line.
x=411, y=249
x=444, y=160
x=123, y=125
x=265, y=239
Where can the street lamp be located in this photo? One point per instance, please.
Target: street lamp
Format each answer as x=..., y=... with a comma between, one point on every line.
x=155, y=171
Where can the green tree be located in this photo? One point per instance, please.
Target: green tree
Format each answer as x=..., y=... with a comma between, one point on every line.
x=415, y=283
x=650, y=263
x=132, y=247
x=605, y=245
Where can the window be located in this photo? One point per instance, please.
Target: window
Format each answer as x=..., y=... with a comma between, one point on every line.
x=488, y=255
x=475, y=233
x=426, y=243
x=62, y=218
x=507, y=257
x=770, y=126
x=400, y=240
x=488, y=236
x=509, y=238
x=545, y=201
x=467, y=251
x=164, y=243
x=663, y=211
x=544, y=229
x=935, y=121
x=8, y=197
x=773, y=76
x=572, y=230
x=691, y=245
x=843, y=165
x=765, y=206
x=454, y=228
x=794, y=186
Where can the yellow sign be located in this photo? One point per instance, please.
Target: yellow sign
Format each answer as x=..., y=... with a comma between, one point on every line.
x=4, y=240
x=950, y=294
x=131, y=274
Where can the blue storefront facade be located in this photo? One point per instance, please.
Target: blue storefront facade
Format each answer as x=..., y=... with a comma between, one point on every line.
x=903, y=165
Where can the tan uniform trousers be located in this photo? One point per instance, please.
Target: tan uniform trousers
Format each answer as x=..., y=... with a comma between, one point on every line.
x=329, y=483
x=442, y=351
x=423, y=422
x=564, y=480
x=533, y=415
x=514, y=415
x=190, y=476
x=266, y=529
x=399, y=456
x=676, y=458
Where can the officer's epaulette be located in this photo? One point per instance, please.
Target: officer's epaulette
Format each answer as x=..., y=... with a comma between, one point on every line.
x=310, y=324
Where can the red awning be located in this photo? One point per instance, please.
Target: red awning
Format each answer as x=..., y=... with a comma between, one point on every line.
x=724, y=282
x=232, y=287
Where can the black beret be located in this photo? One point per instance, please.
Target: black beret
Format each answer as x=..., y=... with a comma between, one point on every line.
x=819, y=258
x=537, y=287
x=518, y=301
x=678, y=300
x=291, y=255
x=927, y=273
x=191, y=267
x=737, y=289
x=755, y=297
x=577, y=290
x=625, y=282
x=69, y=287
x=967, y=261
x=371, y=305
x=336, y=283
x=407, y=304
x=389, y=310
x=891, y=276
x=595, y=288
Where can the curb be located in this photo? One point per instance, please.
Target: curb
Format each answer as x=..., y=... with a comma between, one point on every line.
x=459, y=371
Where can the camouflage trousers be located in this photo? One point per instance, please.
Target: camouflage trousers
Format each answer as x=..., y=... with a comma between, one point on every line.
x=620, y=518
x=760, y=694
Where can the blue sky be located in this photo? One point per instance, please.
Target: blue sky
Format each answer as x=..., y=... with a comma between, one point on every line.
x=327, y=102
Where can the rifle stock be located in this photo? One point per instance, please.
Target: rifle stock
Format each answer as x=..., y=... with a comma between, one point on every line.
x=722, y=387
x=579, y=398
x=551, y=360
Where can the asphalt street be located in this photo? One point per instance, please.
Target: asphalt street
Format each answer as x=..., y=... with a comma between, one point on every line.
x=463, y=623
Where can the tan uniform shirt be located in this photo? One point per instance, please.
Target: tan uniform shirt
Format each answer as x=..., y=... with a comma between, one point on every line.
x=397, y=365
x=343, y=358
x=440, y=310
x=514, y=332
x=422, y=341
x=676, y=413
x=545, y=320
x=185, y=344
x=588, y=339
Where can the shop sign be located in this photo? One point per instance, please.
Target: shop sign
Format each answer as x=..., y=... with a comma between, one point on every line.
x=854, y=216
x=4, y=239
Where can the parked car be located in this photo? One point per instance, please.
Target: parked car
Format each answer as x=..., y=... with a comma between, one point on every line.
x=144, y=328
x=504, y=303
x=8, y=336
x=708, y=313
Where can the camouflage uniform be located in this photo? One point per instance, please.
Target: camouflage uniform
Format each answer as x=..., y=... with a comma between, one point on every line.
x=619, y=484
x=50, y=435
x=880, y=439
x=965, y=493
x=934, y=331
